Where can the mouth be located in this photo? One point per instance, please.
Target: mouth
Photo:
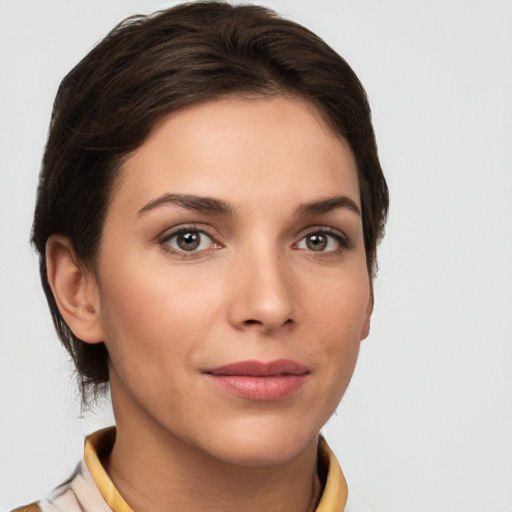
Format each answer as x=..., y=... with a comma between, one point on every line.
x=257, y=380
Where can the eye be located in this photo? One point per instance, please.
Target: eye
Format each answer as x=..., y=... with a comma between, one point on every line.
x=323, y=241
x=189, y=240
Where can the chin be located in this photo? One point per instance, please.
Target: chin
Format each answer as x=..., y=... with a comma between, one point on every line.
x=261, y=445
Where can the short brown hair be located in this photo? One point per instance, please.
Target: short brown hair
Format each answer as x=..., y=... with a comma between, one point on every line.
x=150, y=66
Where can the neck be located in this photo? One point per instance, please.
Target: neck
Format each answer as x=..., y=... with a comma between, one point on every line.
x=154, y=470
x=173, y=476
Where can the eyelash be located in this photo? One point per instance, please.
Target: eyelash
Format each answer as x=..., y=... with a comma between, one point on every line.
x=342, y=241
x=166, y=239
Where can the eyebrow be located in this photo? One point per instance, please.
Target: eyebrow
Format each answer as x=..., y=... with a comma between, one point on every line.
x=190, y=202
x=328, y=205
x=212, y=205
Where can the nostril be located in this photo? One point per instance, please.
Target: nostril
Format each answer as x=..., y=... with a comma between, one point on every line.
x=266, y=325
x=251, y=322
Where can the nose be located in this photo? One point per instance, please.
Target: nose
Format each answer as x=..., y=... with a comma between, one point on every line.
x=264, y=294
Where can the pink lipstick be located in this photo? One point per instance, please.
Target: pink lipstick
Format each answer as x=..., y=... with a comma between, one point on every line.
x=256, y=380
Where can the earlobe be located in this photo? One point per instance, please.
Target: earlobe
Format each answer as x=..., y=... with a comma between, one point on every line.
x=369, y=309
x=75, y=290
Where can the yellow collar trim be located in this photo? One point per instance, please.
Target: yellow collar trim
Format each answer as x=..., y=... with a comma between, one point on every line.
x=335, y=492
x=100, y=443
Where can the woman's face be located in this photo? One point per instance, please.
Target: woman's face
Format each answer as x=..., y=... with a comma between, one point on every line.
x=232, y=283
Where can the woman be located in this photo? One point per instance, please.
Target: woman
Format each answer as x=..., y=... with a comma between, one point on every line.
x=207, y=220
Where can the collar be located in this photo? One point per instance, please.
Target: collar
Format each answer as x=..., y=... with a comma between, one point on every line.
x=100, y=443
x=335, y=492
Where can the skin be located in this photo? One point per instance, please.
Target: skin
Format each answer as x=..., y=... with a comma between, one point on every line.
x=254, y=289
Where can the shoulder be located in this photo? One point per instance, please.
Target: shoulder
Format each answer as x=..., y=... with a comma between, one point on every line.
x=77, y=494
x=33, y=507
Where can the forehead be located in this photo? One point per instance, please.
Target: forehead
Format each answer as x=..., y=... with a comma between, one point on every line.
x=240, y=148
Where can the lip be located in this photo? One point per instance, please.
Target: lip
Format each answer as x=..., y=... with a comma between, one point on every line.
x=257, y=380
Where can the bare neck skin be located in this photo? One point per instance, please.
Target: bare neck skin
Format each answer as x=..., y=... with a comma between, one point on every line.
x=154, y=470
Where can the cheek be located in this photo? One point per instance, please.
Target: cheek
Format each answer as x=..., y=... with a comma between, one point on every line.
x=339, y=311
x=340, y=304
x=153, y=321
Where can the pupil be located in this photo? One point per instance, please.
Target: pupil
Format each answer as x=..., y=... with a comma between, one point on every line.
x=188, y=241
x=317, y=242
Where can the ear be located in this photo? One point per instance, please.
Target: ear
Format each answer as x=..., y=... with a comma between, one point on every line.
x=369, y=309
x=75, y=290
